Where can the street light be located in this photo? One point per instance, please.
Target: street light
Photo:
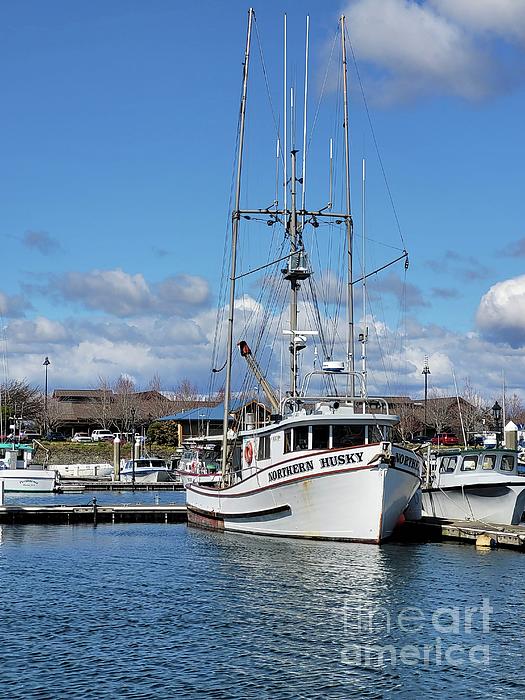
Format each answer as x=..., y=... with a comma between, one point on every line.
x=46, y=364
x=425, y=373
x=496, y=412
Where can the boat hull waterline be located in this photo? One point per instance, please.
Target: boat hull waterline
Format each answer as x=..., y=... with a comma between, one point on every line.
x=350, y=494
x=499, y=503
x=28, y=480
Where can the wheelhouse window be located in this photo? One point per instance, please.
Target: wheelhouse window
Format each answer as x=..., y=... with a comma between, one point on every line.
x=469, y=464
x=489, y=462
x=300, y=437
x=448, y=464
x=263, y=448
x=377, y=433
x=507, y=463
x=287, y=440
x=320, y=437
x=348, y=435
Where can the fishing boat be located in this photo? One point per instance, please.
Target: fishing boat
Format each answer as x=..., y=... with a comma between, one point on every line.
x=474, y=484
x=149, y=470
x=199, y=464
x=325, y=464
x=19, y=474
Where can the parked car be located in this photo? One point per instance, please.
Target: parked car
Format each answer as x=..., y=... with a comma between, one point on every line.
x=420, y=439
x=476, y=441
x=55, y=437
x=98, y=435
x=81, y=437
x=446, y=439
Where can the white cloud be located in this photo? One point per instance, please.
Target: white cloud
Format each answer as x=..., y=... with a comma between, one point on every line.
x=500, y=314
x=503, y=17
x=427, y=48
x=13, y=306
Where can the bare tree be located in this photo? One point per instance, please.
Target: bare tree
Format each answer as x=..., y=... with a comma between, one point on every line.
x=514, y=409
x=472, y=408
x=20, y=399
x=185, y=390
x=157, y=404
x=125, y=404
x=440, y=410
x=409, y=420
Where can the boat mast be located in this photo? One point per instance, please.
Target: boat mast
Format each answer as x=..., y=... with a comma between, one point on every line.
x=348, y=220
x=235, y=230
x=294, y=284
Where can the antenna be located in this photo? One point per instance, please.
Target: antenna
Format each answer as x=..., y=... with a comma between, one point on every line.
x=331, y=174
x=364, y=334
x=303, y=193
x=285, y=128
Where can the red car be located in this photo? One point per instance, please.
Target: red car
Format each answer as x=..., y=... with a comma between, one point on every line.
x=445, y=439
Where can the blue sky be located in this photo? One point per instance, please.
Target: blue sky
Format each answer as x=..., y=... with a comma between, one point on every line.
x=118, y=134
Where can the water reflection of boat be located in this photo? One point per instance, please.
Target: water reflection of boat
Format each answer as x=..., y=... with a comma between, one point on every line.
x=475, y=485
x=19, y=474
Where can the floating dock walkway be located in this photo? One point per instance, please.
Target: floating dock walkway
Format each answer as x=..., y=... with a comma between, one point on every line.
x=468, y=531
x=92, y=514
x=79, y=485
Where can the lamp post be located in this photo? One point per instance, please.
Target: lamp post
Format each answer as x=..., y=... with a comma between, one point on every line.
x=133, y=414
x=425, y=373
x=496, y=412
x=46, y=364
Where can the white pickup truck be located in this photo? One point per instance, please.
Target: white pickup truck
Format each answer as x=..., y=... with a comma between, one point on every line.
x=98, y=435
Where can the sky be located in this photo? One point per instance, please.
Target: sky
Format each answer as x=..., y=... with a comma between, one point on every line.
x=118, y=129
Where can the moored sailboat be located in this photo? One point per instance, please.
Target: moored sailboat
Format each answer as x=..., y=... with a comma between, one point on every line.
x=325, y=465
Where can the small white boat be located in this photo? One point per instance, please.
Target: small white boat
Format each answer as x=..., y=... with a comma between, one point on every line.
x=19, y=474
x=84, y=471
x=150, y=470
x=199, y=465
x=475, y=485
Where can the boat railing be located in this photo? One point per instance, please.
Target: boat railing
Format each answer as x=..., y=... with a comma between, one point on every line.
x=291, y=404
x=331, y=373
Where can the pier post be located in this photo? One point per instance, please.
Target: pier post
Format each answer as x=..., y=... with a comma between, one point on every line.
x=1, y=492
x=116, y=458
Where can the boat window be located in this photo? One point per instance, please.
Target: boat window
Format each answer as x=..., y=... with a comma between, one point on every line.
x=348, y=435
x=300, y=437
x=377, y=433
x=488, y=462
x=263, y=448
x=507, y=463
x=320, y=437
x=287, y=440
x=469, y=464
x=448, y=464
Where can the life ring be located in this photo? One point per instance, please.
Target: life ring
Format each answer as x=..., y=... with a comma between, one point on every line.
x=248, y=453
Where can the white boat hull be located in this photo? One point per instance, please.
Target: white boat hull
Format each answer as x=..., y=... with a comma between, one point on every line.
x=351, y=494
x=146, y=476
x=28, y=480
x=84, y=471
x=499, y=503
x=187, y=478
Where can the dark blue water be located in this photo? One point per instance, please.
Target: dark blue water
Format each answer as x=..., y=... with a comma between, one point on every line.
x=162, y=611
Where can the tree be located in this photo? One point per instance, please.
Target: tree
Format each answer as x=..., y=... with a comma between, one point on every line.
x=164, y=433
x=514, y=409
x=409, y=420
x=157, y=404
x=440, y=410
x=472, y=409
x=185, y=390
x=125, y=404
x=21, y=400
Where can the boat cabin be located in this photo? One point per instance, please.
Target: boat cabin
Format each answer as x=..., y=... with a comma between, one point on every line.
x=463, y=466
x=15, y=455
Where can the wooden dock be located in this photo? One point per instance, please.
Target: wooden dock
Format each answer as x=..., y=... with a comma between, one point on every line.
x=79, y=485
x=92, y=514
x=468, y=531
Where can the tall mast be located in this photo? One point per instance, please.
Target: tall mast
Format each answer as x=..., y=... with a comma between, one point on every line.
x=363, y=253
x=348, y=219
x=235, y=231
x=294, y=285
